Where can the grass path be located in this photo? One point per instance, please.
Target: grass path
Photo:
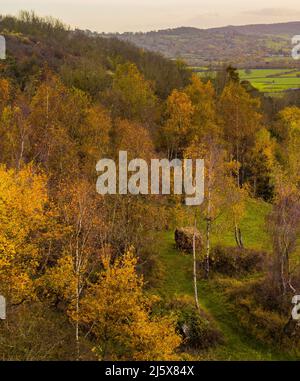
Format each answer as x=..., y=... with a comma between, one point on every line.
x=178, y=281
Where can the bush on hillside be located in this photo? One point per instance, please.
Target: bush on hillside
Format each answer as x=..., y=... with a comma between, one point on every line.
x=198, y=329
x=236, y=261
x=267, y=325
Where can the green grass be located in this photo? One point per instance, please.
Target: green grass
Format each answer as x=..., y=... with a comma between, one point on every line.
x=272, y=80
x=252, y=227
x=178, y=281
x=238, y=345
x=261, y=73
x=291, y=74
x=253, y=233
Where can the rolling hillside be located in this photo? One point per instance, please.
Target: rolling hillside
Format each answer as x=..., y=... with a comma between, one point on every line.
x=247, y=46
x=33, y=45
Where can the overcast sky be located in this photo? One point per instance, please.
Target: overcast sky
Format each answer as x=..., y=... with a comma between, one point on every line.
x=144, y=15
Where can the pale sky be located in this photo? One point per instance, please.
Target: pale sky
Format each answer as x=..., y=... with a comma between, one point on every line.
x=145, y=15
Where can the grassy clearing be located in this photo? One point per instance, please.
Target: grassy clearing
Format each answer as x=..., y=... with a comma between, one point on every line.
x=272, y=80
x=238, y=345
x=252, y=227
x=254, y=237
x=178, y=281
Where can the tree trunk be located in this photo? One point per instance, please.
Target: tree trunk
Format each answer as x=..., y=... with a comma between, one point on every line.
x=77, y=324
x=195, y=266
x=207, y=258
x=208, y=217
x=238, y=236
x=77, y=271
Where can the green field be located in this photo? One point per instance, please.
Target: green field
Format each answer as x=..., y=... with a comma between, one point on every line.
x=265, y=80
x=272, y=80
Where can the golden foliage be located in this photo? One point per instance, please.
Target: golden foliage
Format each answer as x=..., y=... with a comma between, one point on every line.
x=119, y=316
x=23, y=219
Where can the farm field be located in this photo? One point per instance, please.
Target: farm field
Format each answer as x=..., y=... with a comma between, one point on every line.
x=272, y=80
x=266, y=80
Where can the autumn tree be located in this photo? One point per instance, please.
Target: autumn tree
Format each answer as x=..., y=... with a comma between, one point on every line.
x=131, y=95
x=260, y=164
x=240, y=120
x=53, y=118
x=134, y=138
x=284, y=221
x=132, y=219
x=118, y=315
x=68, y=134
x=226, y=75
x=206, y=143
x=14, y=132
x=284, y=227
x=93, y=139
x=23, y=226
x=204, y=117
x=236, y=198
x=82, y=242
x=179, y=112
x=221, y=205
x=289, y=118
x=5, y=92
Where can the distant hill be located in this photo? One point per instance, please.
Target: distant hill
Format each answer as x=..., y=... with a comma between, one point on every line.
x=86, y=60
x=246, y=46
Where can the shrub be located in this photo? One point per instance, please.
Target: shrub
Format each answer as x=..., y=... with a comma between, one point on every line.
x=198, y=330
x=258, y=316
x=236, y=261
